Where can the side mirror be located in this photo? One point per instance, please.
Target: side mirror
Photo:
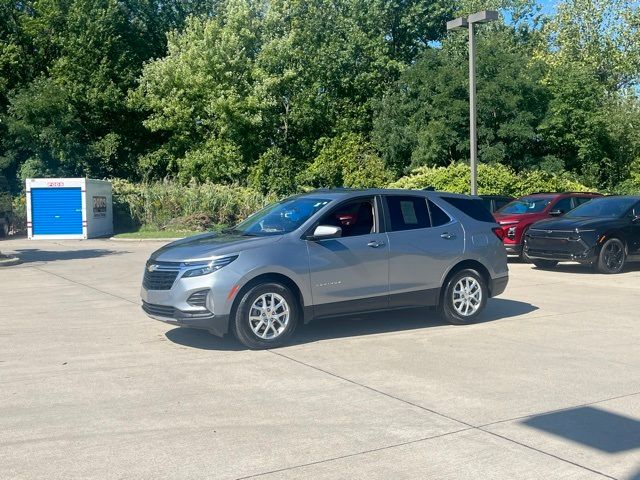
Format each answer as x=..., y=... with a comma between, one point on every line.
x=324, y=232
x=556, y=213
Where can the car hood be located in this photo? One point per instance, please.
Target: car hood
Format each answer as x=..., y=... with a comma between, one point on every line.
x=209, y=245
x=504, y=218
x=580, y=223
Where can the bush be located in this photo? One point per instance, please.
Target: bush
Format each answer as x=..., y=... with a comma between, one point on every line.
x=198, y=206
x=630, y=186
x=274, y=172
x=493, y=179
x=18, y=218
x=346, y=161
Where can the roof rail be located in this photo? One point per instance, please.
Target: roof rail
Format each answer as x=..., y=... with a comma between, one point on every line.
x=563, y=193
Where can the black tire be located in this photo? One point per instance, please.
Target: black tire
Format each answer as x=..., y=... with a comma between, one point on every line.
x=612, y=257
x=447, y=307
x=544, y=264
x=524, y=258
x=242, y=324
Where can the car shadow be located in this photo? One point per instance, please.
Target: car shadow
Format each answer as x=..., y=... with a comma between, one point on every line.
x=596, y=428
x=585, y=269
x=33, y=255
x=355, y=325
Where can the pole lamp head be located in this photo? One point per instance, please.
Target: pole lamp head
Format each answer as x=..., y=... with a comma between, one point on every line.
x=485, y=16
x=458, y=24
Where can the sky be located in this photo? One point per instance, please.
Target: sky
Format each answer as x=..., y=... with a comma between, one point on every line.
x=547, y=5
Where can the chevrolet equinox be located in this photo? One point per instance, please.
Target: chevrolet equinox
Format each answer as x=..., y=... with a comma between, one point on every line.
x=329, y=253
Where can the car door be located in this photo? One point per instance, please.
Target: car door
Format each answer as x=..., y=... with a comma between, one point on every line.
x=424, y=242
x=632, y=232
x=351, y=273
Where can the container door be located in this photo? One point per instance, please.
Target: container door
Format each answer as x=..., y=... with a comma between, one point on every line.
x=56, y=211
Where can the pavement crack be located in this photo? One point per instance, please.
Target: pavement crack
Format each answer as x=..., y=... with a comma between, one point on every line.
x=467, y=425
x=595, y=402
x=380, y=392
x=545, y=453
x=355, y=454
x=85, y=285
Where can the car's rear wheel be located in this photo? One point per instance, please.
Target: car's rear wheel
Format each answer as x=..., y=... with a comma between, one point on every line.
x=612, y=257
x=464, y=297
x=266, y=316
x=544, y=264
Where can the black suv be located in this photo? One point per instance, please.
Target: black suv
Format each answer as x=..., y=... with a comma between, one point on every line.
x=604, y=233
x=5, y=213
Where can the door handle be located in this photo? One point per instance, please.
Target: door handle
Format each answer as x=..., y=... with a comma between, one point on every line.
x=448, y=236
x=375, y=244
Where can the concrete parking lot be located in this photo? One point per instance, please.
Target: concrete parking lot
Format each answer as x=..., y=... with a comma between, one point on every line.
x=546, y=386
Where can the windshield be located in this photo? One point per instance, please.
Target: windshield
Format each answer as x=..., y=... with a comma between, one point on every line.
x=281, y=217
x=607, y=207
x=526, y=205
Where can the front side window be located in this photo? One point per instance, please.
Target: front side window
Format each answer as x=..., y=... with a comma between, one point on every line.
x=408, y=213
x=356, y=217
x=527, y=205
x=605, y=207
x=281, y=217
x=581, y=200
x=563, y=205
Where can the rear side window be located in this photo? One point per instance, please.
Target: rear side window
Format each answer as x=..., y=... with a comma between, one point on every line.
x=473, y=207
x=407, y=213
x=438, y=216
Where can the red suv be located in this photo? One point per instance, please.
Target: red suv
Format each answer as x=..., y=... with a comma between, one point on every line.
x=516, y=217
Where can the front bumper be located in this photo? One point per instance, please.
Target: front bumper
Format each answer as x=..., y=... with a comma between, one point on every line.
x=203, y=320
x=513, y=248
x=562, y=248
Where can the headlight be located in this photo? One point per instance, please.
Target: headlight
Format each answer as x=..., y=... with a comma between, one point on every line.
x=208, y=267
x=511, y=233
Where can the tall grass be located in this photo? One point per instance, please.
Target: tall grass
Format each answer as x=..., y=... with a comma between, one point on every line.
x=172, y=205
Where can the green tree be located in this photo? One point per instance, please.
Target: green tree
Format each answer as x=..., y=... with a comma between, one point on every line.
x=602, y=36
x=347, y=160
x=199, y=100
x=424, y=121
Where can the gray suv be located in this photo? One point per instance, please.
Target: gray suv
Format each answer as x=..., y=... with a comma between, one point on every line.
x=328, y=253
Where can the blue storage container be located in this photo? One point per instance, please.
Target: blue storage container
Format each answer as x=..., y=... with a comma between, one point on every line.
x=60, y=208
x=56, y=211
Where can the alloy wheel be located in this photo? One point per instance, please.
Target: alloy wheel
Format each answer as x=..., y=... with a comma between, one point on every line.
x=613, y=256
x=467, y=296
x=269, y=316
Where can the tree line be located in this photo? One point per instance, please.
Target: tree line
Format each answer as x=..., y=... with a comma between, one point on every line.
x=275, y=94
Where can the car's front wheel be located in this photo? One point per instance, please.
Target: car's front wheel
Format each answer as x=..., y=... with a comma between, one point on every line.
x=266, y=316
x=464, y=297
x=612, y=256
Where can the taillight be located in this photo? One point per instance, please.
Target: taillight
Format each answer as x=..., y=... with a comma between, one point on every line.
x=499, y=232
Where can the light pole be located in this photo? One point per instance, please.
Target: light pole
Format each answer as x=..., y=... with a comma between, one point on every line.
x=484, y=16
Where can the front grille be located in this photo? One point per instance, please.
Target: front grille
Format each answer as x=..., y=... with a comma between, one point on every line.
x=198, y=299
x=162, y=277
x=159, y=310
x=561, y=234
